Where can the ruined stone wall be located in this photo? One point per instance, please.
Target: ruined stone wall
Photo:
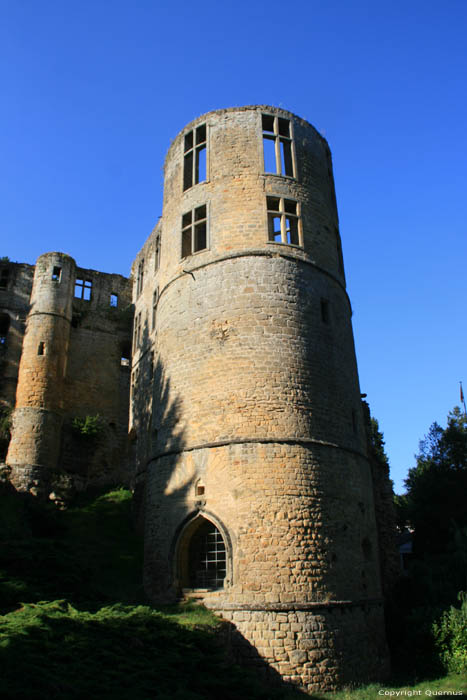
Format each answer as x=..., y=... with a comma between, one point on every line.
x=245, y=384
x=71, y=367
x=97, y=380
x=15, y=291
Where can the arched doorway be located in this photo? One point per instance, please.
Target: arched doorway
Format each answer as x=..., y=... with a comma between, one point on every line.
x=202, y=555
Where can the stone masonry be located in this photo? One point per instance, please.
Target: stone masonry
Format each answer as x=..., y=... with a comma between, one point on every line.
x=246, y=408
x=247, y=438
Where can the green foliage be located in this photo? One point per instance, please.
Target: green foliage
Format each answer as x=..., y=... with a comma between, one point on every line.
x=75, y=623
x=89, y=427
x=436, y=486
x=450, y=634
x=376, y=441
x=4, y=259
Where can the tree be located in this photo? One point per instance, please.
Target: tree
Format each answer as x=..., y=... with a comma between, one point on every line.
x=436, y=500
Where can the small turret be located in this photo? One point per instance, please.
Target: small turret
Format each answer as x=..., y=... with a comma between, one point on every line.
x=37, y=420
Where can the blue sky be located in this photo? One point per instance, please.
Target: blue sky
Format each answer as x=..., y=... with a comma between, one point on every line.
x=93, y=93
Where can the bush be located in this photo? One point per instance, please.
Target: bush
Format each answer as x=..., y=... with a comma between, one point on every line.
x=450, y=634
x=88, y=427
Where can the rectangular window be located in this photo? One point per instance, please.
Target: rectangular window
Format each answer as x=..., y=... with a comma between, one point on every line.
x=325, y=310
x=155, y=298
x=140, y=277
x=194, y=231
x=4, y=278
x=114, y=300
x=137, y=331
x=283, y=221
x=56, y=274
x=157, y=253
x=41, y=348
x=83, y=289
x=277, y=146
x=194, y=159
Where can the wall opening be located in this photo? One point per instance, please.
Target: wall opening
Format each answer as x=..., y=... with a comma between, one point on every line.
x=4, y=277
x=4, y=327
x=125, y=353
x=56, y=274
x=202, y=556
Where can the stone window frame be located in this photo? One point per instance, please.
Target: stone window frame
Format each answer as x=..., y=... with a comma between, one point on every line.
x=84, y=287
x=194, y=143
x=140, y=277
x=137, y=332
x=189, y=230
x=157, y=252
x=180, y=543
x=283, y=211
x=284, y=145
x=5, y=278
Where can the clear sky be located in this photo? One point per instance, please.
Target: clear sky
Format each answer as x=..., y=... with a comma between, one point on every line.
x=93, y=91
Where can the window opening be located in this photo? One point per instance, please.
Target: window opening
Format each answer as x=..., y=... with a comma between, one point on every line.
x=325, y=310
x=4, y=326
x=283, y=221
x=125, y=355
x=56, y=274
x=200, y=488
x=207, y=557
x=194, y=231
x=114, y=300
x=194, y=159
x=140, y=278
x=83, y=289
x=157, y=253
x=137, y=331
x=277, y=145
x=41, y=348
x=155, y=298
x=4, y=278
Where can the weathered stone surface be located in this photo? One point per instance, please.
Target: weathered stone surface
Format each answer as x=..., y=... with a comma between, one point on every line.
x=245, y=408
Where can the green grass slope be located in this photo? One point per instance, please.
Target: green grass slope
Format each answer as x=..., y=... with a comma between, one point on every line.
x=74, y=622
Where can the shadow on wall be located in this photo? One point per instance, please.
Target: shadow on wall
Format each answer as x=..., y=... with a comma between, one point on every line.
x=158, y=441
x=155, y=432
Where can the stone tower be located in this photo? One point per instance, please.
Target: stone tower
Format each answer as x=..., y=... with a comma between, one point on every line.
x=246, y=410
x=37, y=420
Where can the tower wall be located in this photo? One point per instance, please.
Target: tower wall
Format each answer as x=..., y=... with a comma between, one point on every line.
x=254, y=396
x=37, y=419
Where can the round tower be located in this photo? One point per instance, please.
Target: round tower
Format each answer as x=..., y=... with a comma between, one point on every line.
x=258, y=490
x=37, y=419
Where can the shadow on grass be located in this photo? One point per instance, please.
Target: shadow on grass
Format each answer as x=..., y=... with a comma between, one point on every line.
x=52, y=650
x=100, y=638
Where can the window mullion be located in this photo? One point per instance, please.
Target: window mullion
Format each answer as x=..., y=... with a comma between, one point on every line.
x=277, y=146
x=283, y=222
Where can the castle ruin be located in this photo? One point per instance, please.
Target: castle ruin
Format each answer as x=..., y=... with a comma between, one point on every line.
x=247, y=446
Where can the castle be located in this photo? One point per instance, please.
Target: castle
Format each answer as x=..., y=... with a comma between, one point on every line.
x=229, y=354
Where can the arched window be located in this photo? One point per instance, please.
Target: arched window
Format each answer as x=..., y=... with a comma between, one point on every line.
x=202, y=556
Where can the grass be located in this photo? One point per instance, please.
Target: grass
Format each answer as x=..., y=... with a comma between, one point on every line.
x=74, y=622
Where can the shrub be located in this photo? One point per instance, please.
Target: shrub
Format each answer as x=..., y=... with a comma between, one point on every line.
x=88, y=427
x=450, y=634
